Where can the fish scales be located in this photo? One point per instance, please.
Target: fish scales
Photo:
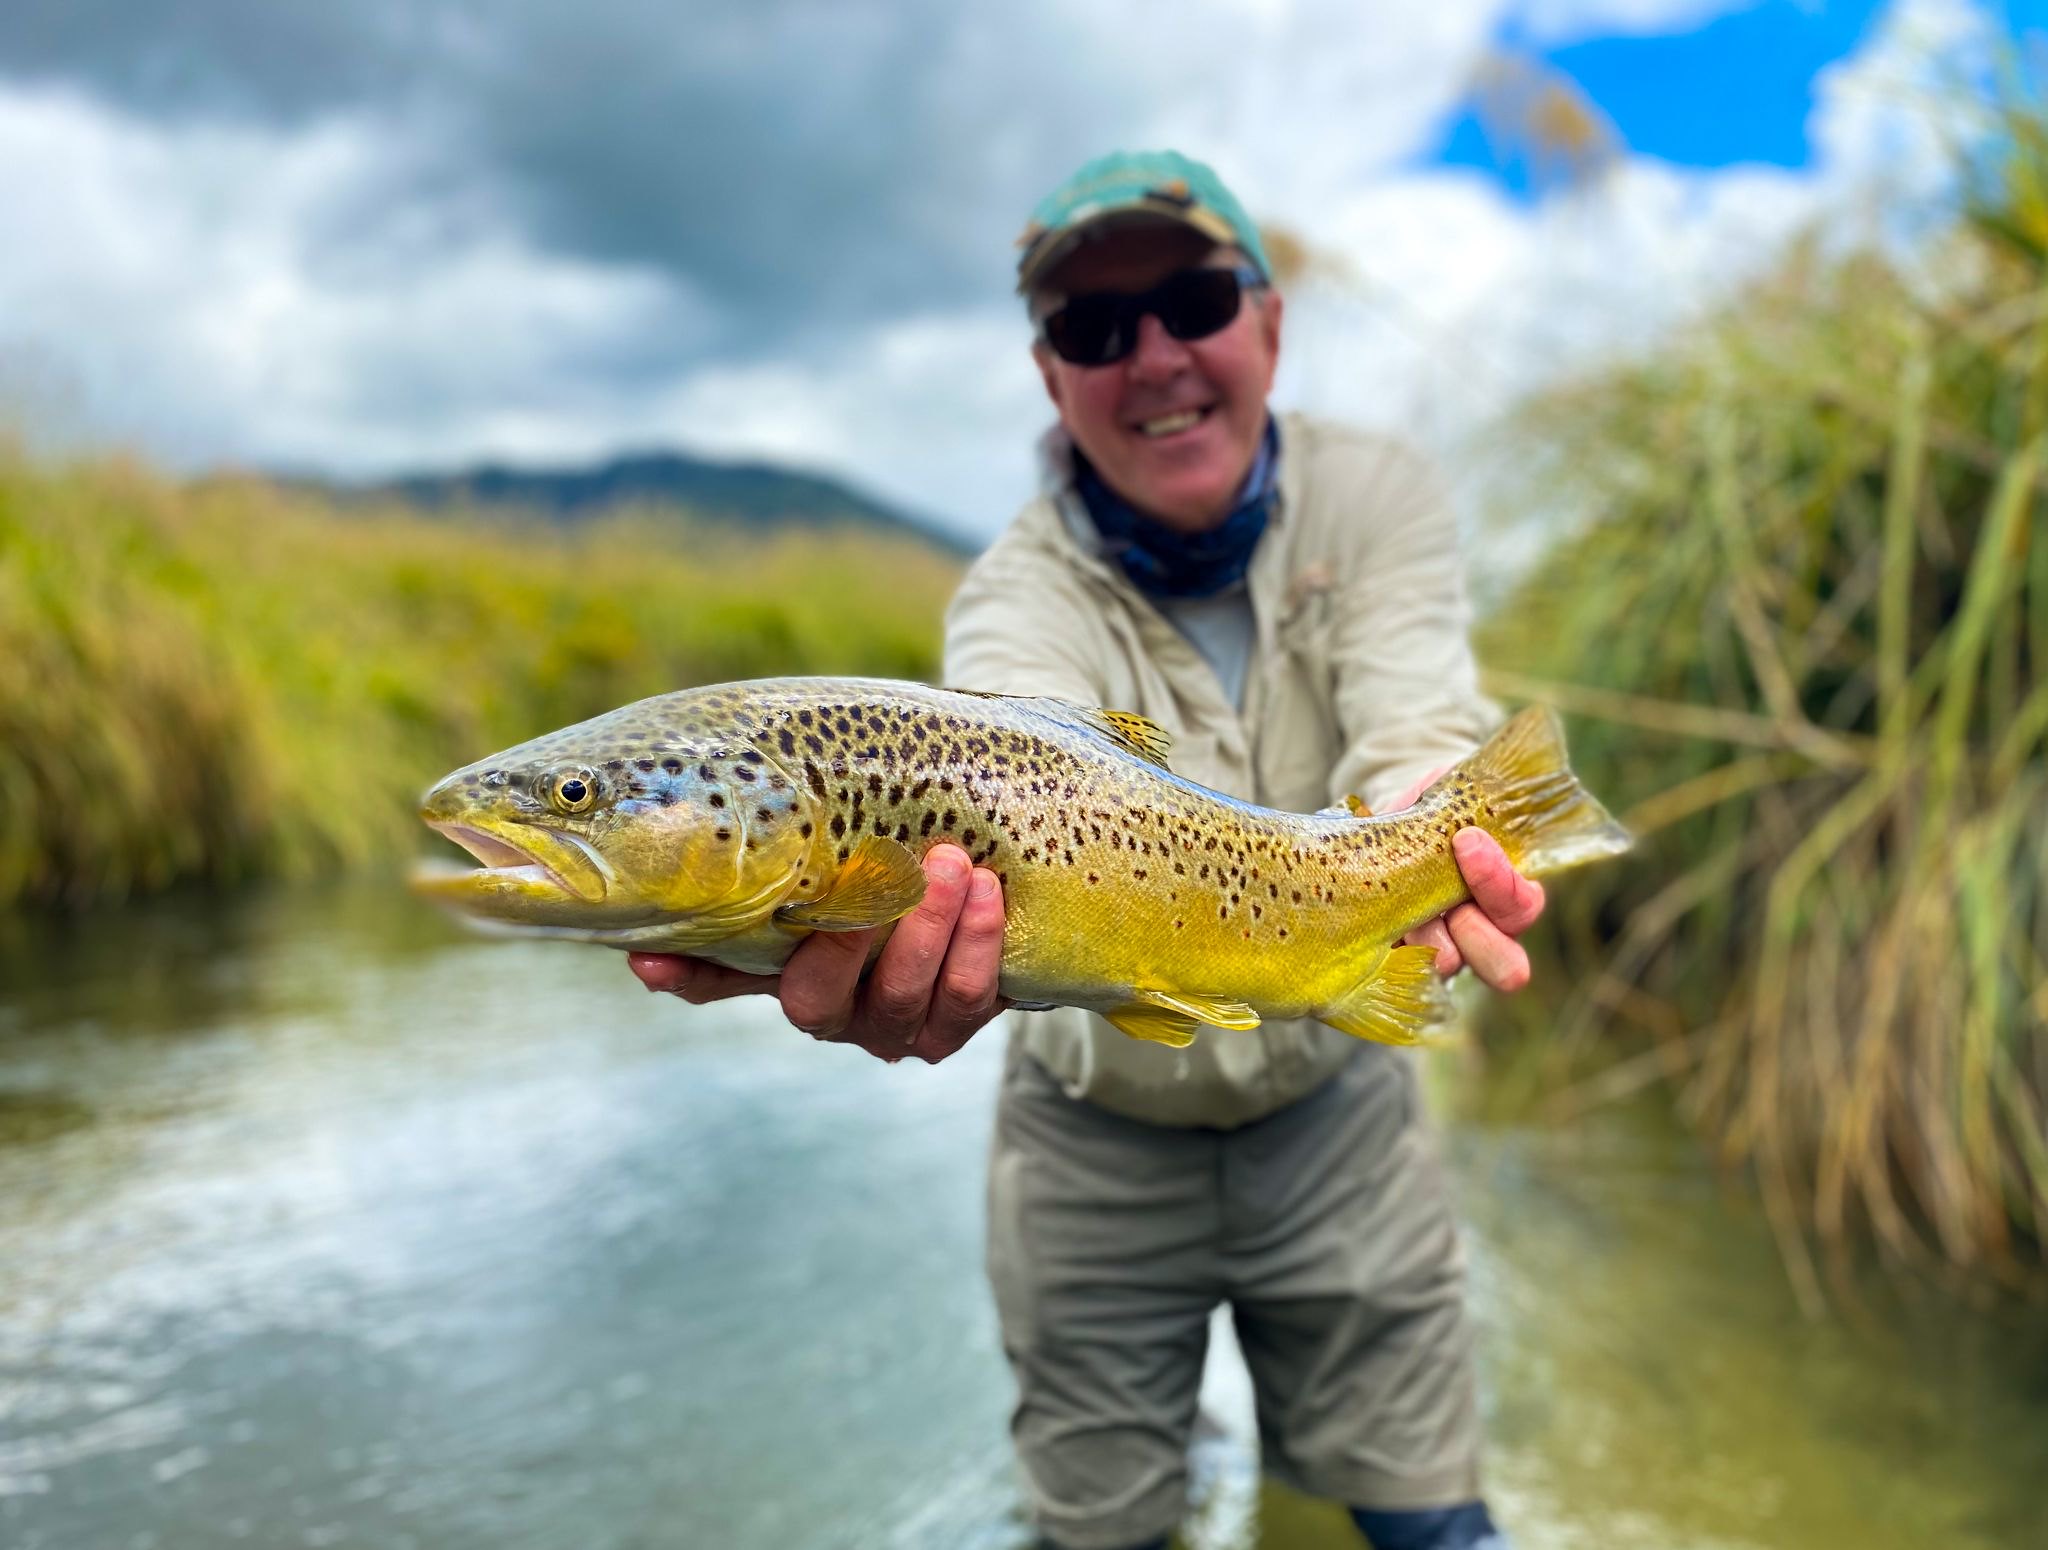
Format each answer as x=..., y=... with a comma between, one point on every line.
x=731, y=821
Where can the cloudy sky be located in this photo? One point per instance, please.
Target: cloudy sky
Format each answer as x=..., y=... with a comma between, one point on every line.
x=404, y=234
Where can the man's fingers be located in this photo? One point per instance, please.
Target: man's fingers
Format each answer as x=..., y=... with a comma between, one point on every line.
x=899, y=991
x=965, y=997
x=1435, y=933
x=1508, y=899
x=695, y=980
x=819, y=981
x=1495, y=957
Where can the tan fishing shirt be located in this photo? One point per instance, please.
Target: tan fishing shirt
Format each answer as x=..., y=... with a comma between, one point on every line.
x=1360, y=680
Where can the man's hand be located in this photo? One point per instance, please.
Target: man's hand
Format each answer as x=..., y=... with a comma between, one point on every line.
x=932, y=987
x=1481, y=932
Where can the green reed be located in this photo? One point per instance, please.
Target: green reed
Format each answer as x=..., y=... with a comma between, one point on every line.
x=1805, y=638
x=222, y=680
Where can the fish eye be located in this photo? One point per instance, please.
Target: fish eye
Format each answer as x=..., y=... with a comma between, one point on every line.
x=571, y=791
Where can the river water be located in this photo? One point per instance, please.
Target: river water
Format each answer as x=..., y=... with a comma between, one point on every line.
x=324, y=1224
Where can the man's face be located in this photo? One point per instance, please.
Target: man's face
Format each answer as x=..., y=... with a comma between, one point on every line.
x=1129, y=417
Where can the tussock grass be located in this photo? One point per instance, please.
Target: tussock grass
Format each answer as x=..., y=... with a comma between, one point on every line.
x=1805, y=636
x=222, y=680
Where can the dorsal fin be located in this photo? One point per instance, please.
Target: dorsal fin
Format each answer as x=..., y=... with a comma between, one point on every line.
x=1132, y=733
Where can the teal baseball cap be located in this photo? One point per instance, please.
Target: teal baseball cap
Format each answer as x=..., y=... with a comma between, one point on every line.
x=1128, y=187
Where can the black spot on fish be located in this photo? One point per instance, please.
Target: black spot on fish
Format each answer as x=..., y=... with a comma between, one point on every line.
x=743, y=772
x=725, y=834
x=917, y=791
x=838, y=825
x=805, y=831
x=705, y=772
x=930, y=818
x=947, y=821
x=673, y=766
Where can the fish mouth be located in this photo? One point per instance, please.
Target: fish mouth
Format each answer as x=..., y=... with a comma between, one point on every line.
x=516, y=861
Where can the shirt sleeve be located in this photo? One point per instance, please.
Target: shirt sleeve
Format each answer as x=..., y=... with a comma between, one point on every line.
x=1017, y=628
x=1407, y=690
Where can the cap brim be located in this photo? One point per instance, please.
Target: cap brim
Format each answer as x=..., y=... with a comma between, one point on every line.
x=1054, y=248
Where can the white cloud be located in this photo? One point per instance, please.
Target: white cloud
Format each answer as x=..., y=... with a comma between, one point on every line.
x=212, y=294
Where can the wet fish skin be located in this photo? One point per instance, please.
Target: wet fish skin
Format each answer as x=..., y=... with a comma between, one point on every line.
x=731, y=821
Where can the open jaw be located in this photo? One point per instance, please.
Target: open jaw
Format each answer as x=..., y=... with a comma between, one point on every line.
x=518, y=859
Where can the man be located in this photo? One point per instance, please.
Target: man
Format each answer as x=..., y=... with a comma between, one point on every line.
x=1285, y=597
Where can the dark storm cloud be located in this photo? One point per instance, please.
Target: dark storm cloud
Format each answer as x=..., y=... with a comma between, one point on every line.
x=801, y=166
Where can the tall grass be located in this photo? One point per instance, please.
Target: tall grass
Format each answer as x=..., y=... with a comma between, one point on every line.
x=1806, y=632
x=220, y=681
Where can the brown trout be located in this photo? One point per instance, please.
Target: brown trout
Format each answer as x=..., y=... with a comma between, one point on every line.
x=731, y=821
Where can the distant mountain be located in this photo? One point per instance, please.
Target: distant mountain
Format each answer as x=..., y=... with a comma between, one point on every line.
x=754, y=495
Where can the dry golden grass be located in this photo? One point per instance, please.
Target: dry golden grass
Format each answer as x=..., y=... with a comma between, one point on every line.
x=1806, y=637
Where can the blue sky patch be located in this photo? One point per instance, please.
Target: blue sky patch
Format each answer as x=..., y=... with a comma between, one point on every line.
x=1736, y=89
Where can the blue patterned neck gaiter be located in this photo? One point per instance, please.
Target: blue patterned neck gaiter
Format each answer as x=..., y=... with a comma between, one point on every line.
x=1163, y=562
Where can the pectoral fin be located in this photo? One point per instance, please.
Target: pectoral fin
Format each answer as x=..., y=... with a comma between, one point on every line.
x=879, y=882
x=1400, y=1003
x=1171, y=1016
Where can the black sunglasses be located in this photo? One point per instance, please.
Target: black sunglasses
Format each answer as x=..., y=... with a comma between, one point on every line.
x=1102, y=327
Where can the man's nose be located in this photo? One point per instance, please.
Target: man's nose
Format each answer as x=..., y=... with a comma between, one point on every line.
x=1158, y=354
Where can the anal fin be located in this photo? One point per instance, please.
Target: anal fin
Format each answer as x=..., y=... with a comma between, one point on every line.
x=879, y=882
x=1213, y=1010
x=1155, y=1024
x=1399, y=1003
x=1171, y=1016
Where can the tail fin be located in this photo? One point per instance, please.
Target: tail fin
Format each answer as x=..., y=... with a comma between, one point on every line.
x=1544, y=819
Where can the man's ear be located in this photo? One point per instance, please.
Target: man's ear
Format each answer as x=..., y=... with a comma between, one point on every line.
x=1270, y=309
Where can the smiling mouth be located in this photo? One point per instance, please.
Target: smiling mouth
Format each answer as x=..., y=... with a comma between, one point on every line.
x=1171, y=424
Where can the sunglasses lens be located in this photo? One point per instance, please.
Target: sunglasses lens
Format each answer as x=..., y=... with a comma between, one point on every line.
x=1092, y=330
x=1199, y=302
